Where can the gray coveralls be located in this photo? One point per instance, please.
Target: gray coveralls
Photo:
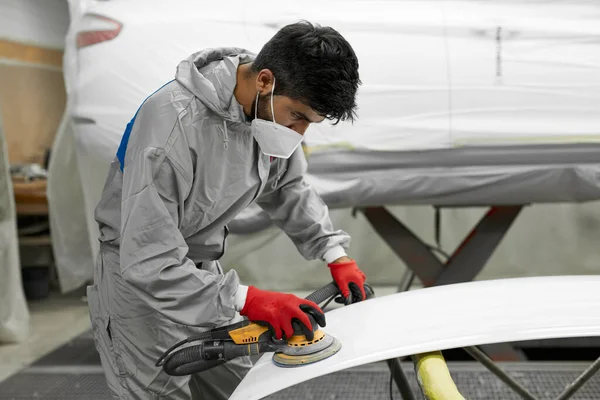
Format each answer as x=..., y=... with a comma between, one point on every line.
x=187, y=165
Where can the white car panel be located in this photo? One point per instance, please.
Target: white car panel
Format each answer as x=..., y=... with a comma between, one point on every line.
x=440, y=318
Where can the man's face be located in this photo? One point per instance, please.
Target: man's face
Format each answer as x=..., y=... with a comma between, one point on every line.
x=288, y=112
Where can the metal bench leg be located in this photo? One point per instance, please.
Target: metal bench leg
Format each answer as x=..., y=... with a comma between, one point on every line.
x=466, y=261
x=503, y=376
x=479, y=245
x=519, y=389
x=406, y=282
x=401, y=379
x=580, y=381
x=408, y=247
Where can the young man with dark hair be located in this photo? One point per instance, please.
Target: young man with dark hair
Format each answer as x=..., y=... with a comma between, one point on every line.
x=223, y=134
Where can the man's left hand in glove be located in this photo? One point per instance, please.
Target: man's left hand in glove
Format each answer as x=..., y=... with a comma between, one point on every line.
x=349, y=278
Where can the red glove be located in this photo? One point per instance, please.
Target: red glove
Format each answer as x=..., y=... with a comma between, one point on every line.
x=350, y=279
x=278, y=311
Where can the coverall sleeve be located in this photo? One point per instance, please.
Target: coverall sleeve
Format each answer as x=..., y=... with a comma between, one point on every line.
x=297, y=209
x=153, y=250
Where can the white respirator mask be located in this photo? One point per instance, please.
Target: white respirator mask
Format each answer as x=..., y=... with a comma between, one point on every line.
x=274, y=139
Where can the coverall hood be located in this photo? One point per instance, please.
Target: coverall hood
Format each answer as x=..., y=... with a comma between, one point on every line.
x=211, y=75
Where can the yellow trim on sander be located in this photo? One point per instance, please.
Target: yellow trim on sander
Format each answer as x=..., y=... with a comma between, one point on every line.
x=434, y=377
x=247, y=334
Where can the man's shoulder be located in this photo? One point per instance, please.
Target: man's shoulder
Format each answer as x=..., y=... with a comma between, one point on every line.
x=170, y=96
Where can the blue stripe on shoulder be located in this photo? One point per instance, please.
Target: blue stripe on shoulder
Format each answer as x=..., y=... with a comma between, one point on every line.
x=125, y=139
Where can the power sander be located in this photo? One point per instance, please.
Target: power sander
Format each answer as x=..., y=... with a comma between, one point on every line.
x=246, y=338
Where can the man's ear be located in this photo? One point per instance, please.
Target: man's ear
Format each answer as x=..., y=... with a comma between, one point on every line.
x=264, y=81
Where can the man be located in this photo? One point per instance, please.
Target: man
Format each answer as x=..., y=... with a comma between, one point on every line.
x=223, y=134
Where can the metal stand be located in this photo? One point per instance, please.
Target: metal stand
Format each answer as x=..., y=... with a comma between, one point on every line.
x=462, y=266
x=520, y=390
x=489, y=364
x=394, y=364
x=400, y=378
x=580, y=381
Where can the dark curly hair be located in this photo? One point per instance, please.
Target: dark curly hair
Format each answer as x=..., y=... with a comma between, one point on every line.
x=314, y=65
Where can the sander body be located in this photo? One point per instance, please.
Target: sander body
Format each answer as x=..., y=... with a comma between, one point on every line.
x=247, y=338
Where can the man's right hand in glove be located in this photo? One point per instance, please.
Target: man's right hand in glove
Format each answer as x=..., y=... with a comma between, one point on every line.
x=278, y=311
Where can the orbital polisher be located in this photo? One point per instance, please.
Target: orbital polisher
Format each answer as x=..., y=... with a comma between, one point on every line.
x=246, y=338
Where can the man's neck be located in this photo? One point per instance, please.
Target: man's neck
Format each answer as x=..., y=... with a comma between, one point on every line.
x=245, y=88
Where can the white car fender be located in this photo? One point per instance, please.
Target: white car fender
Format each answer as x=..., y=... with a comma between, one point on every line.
x=439, y=318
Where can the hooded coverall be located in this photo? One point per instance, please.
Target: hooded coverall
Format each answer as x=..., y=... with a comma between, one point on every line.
x=187, y=165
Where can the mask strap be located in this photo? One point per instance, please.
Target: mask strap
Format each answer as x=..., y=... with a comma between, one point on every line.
x=256, y=105
x=273, y=108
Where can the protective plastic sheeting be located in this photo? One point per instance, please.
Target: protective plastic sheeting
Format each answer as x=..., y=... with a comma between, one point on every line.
x=31, y=37
x=436, y=75
x=69, y=226
x=14, y=314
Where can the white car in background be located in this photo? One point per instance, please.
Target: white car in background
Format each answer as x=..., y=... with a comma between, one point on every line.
x=119, y=52
x=426, y=66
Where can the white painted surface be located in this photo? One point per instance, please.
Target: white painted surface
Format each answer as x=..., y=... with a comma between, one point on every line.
x=441, y=318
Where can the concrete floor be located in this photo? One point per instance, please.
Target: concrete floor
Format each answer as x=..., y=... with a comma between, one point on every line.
x=54, y=321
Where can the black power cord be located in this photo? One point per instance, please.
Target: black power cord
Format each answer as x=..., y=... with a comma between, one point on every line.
x=391, y=380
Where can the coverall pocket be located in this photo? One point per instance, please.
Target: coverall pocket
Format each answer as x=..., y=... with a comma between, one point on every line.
x=118, y=352
x=103, y=340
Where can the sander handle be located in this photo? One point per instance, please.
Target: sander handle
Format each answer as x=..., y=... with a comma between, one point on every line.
x=319, y=296
x=324, y=293
x=332, y=289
